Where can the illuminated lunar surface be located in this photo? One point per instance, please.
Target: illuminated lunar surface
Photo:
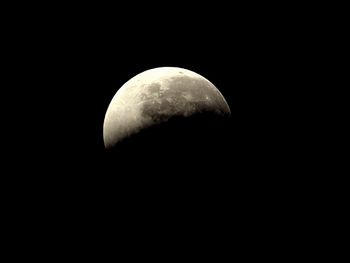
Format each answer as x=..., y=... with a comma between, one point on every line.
x=154, y=97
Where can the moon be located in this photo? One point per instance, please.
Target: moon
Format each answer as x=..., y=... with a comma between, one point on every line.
x=157, y=95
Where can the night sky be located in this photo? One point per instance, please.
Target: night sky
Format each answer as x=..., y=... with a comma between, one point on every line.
x=251, y=67
x=250, y=58
x=243, y=181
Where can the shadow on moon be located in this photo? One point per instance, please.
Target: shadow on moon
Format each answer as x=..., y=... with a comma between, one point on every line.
x=179, y=139
x=175, y=161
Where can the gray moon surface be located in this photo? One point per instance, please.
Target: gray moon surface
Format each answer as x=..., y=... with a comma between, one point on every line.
x=154, y=97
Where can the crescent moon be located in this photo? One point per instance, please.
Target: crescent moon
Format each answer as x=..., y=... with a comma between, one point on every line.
x=157, y=95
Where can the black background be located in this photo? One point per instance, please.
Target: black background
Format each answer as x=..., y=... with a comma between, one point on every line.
x=252, y=59
x=247, y=186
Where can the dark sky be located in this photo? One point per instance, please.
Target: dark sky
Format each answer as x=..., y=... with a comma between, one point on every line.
x=77, y=64
x=76, y=61
x=251, y=58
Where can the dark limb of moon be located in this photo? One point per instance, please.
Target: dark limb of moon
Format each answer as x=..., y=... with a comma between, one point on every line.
x=200, y=137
